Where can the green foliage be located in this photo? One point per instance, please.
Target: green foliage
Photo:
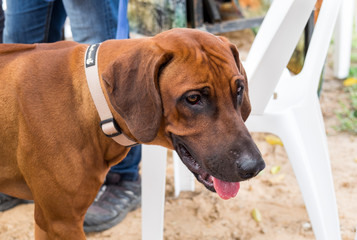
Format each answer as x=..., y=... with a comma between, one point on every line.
x=347, y=116
x=353, y=70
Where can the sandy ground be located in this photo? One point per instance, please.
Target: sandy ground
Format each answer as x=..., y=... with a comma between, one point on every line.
x=202, y=215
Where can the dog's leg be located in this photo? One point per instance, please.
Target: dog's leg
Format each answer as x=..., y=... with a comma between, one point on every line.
x=42, y=235
x=39, y=233
x=61, y=224
x=60, y=212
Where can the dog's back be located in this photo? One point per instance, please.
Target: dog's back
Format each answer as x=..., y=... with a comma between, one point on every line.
x=31, y=80
x=10, y=62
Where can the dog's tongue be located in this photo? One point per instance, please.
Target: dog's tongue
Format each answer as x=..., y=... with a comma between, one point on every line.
x=225, y=190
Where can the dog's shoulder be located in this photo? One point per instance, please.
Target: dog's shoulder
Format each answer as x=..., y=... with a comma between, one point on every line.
x=60, y=45
x=12, y=48
x=9, y=48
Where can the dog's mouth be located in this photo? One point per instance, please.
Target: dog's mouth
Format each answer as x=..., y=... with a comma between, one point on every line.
x=225, y=190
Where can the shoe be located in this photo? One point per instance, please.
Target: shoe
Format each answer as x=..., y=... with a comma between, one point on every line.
x=114, y=201
x=7, y=202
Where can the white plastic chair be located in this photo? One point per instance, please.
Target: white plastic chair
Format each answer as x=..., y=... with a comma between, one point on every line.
x=184, y=179
x=343, y=39
x=153, y=188
x=153, y=175
x=295, y=115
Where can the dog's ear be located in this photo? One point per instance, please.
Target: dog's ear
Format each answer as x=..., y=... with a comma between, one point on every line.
x=132, y=83
x=246, y=107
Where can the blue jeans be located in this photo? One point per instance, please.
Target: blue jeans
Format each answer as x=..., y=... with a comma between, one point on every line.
x=33, y=21
x=129, y=167
x=92, y=21
x=1, y=21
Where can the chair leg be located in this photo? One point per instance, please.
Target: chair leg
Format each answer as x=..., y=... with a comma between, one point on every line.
x=153, y=191
x=305, y=143
x=184, y=179
x=343, y=39
x=306, y=146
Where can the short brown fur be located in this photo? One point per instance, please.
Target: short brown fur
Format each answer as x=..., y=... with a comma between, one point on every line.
x=52, y=149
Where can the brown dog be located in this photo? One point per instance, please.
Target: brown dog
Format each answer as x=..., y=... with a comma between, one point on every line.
x=182, y=89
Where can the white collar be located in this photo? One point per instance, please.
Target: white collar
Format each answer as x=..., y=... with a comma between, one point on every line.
x=108, y=124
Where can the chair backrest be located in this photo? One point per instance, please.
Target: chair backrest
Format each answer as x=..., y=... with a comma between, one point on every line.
x=273, y=47
x=319, y=44
x=276, y=41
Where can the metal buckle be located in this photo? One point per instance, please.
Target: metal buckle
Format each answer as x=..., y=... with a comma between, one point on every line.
x=111, y=130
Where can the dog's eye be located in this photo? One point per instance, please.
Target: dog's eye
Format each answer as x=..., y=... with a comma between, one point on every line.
x=239, y=90
x=240, y=94
x=193, y=99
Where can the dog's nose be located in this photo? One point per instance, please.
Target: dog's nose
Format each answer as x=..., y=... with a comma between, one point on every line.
x=248, y=167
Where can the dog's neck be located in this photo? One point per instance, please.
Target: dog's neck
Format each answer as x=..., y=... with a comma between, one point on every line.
x=108, y=124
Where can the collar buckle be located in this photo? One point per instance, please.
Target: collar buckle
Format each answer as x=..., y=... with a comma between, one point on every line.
x=110, y=127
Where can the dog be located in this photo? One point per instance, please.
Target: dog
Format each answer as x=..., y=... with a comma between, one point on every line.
x=183, y=89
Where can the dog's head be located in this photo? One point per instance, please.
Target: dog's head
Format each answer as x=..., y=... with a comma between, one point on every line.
x=189, y=88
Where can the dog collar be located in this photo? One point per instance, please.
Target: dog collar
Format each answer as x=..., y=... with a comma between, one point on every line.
x=108, y=124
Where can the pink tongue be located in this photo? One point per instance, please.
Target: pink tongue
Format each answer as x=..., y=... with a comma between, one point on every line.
x=225, y=190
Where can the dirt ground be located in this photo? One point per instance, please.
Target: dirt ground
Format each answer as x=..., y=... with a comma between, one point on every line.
x=202, y=215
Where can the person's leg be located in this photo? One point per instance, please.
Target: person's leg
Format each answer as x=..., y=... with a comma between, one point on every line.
x=120, y=194
x=1, y=20
x=92, y=21
x=34, y=21
x=7, y=202
x=128, y=168
x=123, y=22
x=56, y=22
